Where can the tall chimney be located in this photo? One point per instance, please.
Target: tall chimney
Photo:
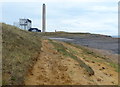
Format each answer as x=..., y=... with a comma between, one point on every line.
x=44, y=18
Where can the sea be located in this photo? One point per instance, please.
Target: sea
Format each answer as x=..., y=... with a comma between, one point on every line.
x=116, y=36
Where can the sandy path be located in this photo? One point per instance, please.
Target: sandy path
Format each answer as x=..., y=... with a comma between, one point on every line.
x=48, y=69
x=52, y=68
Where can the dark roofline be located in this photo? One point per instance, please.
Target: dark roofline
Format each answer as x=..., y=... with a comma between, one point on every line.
x=29, y=20
x=26, y=19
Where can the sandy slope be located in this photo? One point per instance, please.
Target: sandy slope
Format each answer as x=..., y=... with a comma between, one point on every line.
x=105, y=45
x=52, y=68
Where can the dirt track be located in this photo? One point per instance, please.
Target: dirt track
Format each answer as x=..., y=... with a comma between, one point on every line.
x=52, y=68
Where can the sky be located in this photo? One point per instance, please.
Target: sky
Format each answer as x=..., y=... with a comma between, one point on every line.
x=93, y=16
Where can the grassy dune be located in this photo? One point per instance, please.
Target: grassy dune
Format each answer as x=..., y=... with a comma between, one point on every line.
x=20, y=51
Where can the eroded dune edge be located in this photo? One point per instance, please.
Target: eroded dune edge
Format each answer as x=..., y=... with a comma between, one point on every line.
x=60, y=63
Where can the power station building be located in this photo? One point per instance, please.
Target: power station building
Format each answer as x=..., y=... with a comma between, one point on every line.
x=25, y=24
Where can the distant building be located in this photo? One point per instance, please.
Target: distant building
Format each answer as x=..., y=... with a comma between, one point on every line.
x=34, y=30
x=24, y=24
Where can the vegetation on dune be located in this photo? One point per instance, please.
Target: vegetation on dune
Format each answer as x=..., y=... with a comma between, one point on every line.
x=86, y=51
x=96, y=57
x=60, y=48
x=20, y=51
x=62, y=34
x=67, y=34
x=116, y=66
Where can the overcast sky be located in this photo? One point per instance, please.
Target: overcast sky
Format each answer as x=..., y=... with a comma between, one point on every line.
x=94, y=16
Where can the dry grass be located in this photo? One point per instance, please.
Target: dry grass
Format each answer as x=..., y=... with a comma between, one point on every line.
x=20, y=51
x=62, y=34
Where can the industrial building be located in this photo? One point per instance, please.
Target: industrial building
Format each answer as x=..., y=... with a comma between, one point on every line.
x=44, y=18
x=26, y=24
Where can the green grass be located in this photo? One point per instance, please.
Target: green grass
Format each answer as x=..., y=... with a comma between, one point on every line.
x=72, y=51
x=116, y=66
x=67, y=34
x=60, y=48
x=62, y=34
x=19, y=53
x=85, y=51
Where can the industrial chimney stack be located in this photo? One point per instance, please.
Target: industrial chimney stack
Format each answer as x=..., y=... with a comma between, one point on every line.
x=44, y=18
